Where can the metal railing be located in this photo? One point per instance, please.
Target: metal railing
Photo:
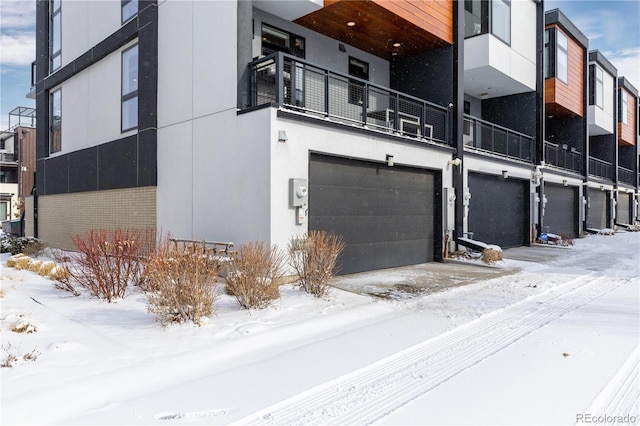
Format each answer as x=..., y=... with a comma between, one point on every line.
x=7, y=157
x=491, y=137
x=300, y=86
x=600, y=168
x=563, y=157
x=627, y=176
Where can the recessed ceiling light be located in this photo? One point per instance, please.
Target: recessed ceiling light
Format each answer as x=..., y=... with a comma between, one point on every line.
x=397, y=44
x=351, y=24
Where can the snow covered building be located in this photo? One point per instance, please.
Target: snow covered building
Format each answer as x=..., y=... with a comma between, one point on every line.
x=395, y=124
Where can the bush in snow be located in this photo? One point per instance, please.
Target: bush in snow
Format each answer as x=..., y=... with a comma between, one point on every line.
x=106, y=262
x=27, y=245
x=314, y=259
x=23, y=262
x=255, y=274
x=46, y=268
x=35, y=265
x=12, y=357
x=180, y=283
x=24, y=324
x=491, y=255
x=13, y=260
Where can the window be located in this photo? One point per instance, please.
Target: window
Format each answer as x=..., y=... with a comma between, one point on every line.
x=501, y=20
x=55, y=121
x=556, y=55
x=624, y=110
x=359, y=69
x=129, y=9
x=55, y=48
x=129, y=88
x=562, y=57
x=599, y=89
x=482, y=16
x=276, y=40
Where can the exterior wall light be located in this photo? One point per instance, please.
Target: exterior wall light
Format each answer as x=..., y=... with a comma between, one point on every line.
x=282, y=136
x=505, y=174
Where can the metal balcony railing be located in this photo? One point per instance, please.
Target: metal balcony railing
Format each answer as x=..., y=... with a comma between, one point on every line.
x=7, y=157
x=297, y=85
x=627, y=176
x=600, y=168
x=487, y=136
x=563, y=157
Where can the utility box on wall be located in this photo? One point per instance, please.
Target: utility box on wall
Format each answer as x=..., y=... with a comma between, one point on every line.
x=298, y=192
x=449, y=203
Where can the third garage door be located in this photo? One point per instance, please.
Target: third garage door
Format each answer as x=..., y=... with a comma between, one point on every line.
x=561, y=210
x=385, y=214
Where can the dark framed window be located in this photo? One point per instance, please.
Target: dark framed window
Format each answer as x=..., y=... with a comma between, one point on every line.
x=359, y=69
x=129, y=117
x=277, y=40
x=562, y=57
x=33, y=73
x=599, y=89
x=129, y=9
x=484, y=16
x=55, y=35
x=55, y=121
x=624, y=107
x=556, y=55
x=501, y=20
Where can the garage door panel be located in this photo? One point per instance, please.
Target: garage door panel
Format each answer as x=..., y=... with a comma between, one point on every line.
x=338, y=200
x=368, y=229
x=561, y=210
x=330, y=173
x=597, y=209
x=498, y=210
x=384, y=214
x=624, y=209
x=365, y=257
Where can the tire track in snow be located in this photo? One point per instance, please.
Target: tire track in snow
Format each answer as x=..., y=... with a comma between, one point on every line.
x=370, y=393
x=621, y=396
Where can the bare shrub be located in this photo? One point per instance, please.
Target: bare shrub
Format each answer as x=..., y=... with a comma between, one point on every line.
x=491, y=256
x=566, y=239
x=23, y=262
x=255, y=274
x=33, y=247
x=106, y=262
x=314, y=260
x=12, y=357
x=24, y=324
x=180, y=283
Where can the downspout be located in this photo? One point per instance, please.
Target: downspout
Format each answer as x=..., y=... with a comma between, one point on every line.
x=539, y=158
x=457, y=116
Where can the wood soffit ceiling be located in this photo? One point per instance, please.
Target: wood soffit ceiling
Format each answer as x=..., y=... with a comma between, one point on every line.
x=376, y=29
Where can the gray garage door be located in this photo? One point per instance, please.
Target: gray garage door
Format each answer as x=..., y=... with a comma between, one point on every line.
x=499, y=210
x=385, y=214
x=624, y=209
x=561, y=211
x=597, y=216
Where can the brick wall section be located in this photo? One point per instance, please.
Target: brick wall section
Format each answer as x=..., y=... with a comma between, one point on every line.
x=62, y=216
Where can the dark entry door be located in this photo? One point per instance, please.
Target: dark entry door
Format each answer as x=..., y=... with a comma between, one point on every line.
x=385, y=214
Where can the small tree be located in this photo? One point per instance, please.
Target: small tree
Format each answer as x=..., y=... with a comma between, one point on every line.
x=314, y=259
x=255, y=275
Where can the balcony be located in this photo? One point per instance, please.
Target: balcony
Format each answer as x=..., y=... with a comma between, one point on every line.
x=627, y=176
x=600, y=168
x=562, y=157
x=299, y=86
x=485, y=136
x=7, y=157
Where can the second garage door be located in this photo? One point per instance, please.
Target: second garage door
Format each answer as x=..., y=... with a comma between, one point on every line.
x=624, y=209
x=561, y=210
x=385, y=214
x=499, y=210
x=598, y=214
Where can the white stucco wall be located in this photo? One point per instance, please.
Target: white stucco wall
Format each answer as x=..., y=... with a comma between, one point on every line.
x=96, y=119
x=85, y=24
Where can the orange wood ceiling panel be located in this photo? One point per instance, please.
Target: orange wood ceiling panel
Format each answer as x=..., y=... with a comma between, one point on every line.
x=568, y=97
x=626, y=132
x=417, y=25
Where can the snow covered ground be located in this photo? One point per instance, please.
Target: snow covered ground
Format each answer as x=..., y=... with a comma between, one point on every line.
x=554, y=343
